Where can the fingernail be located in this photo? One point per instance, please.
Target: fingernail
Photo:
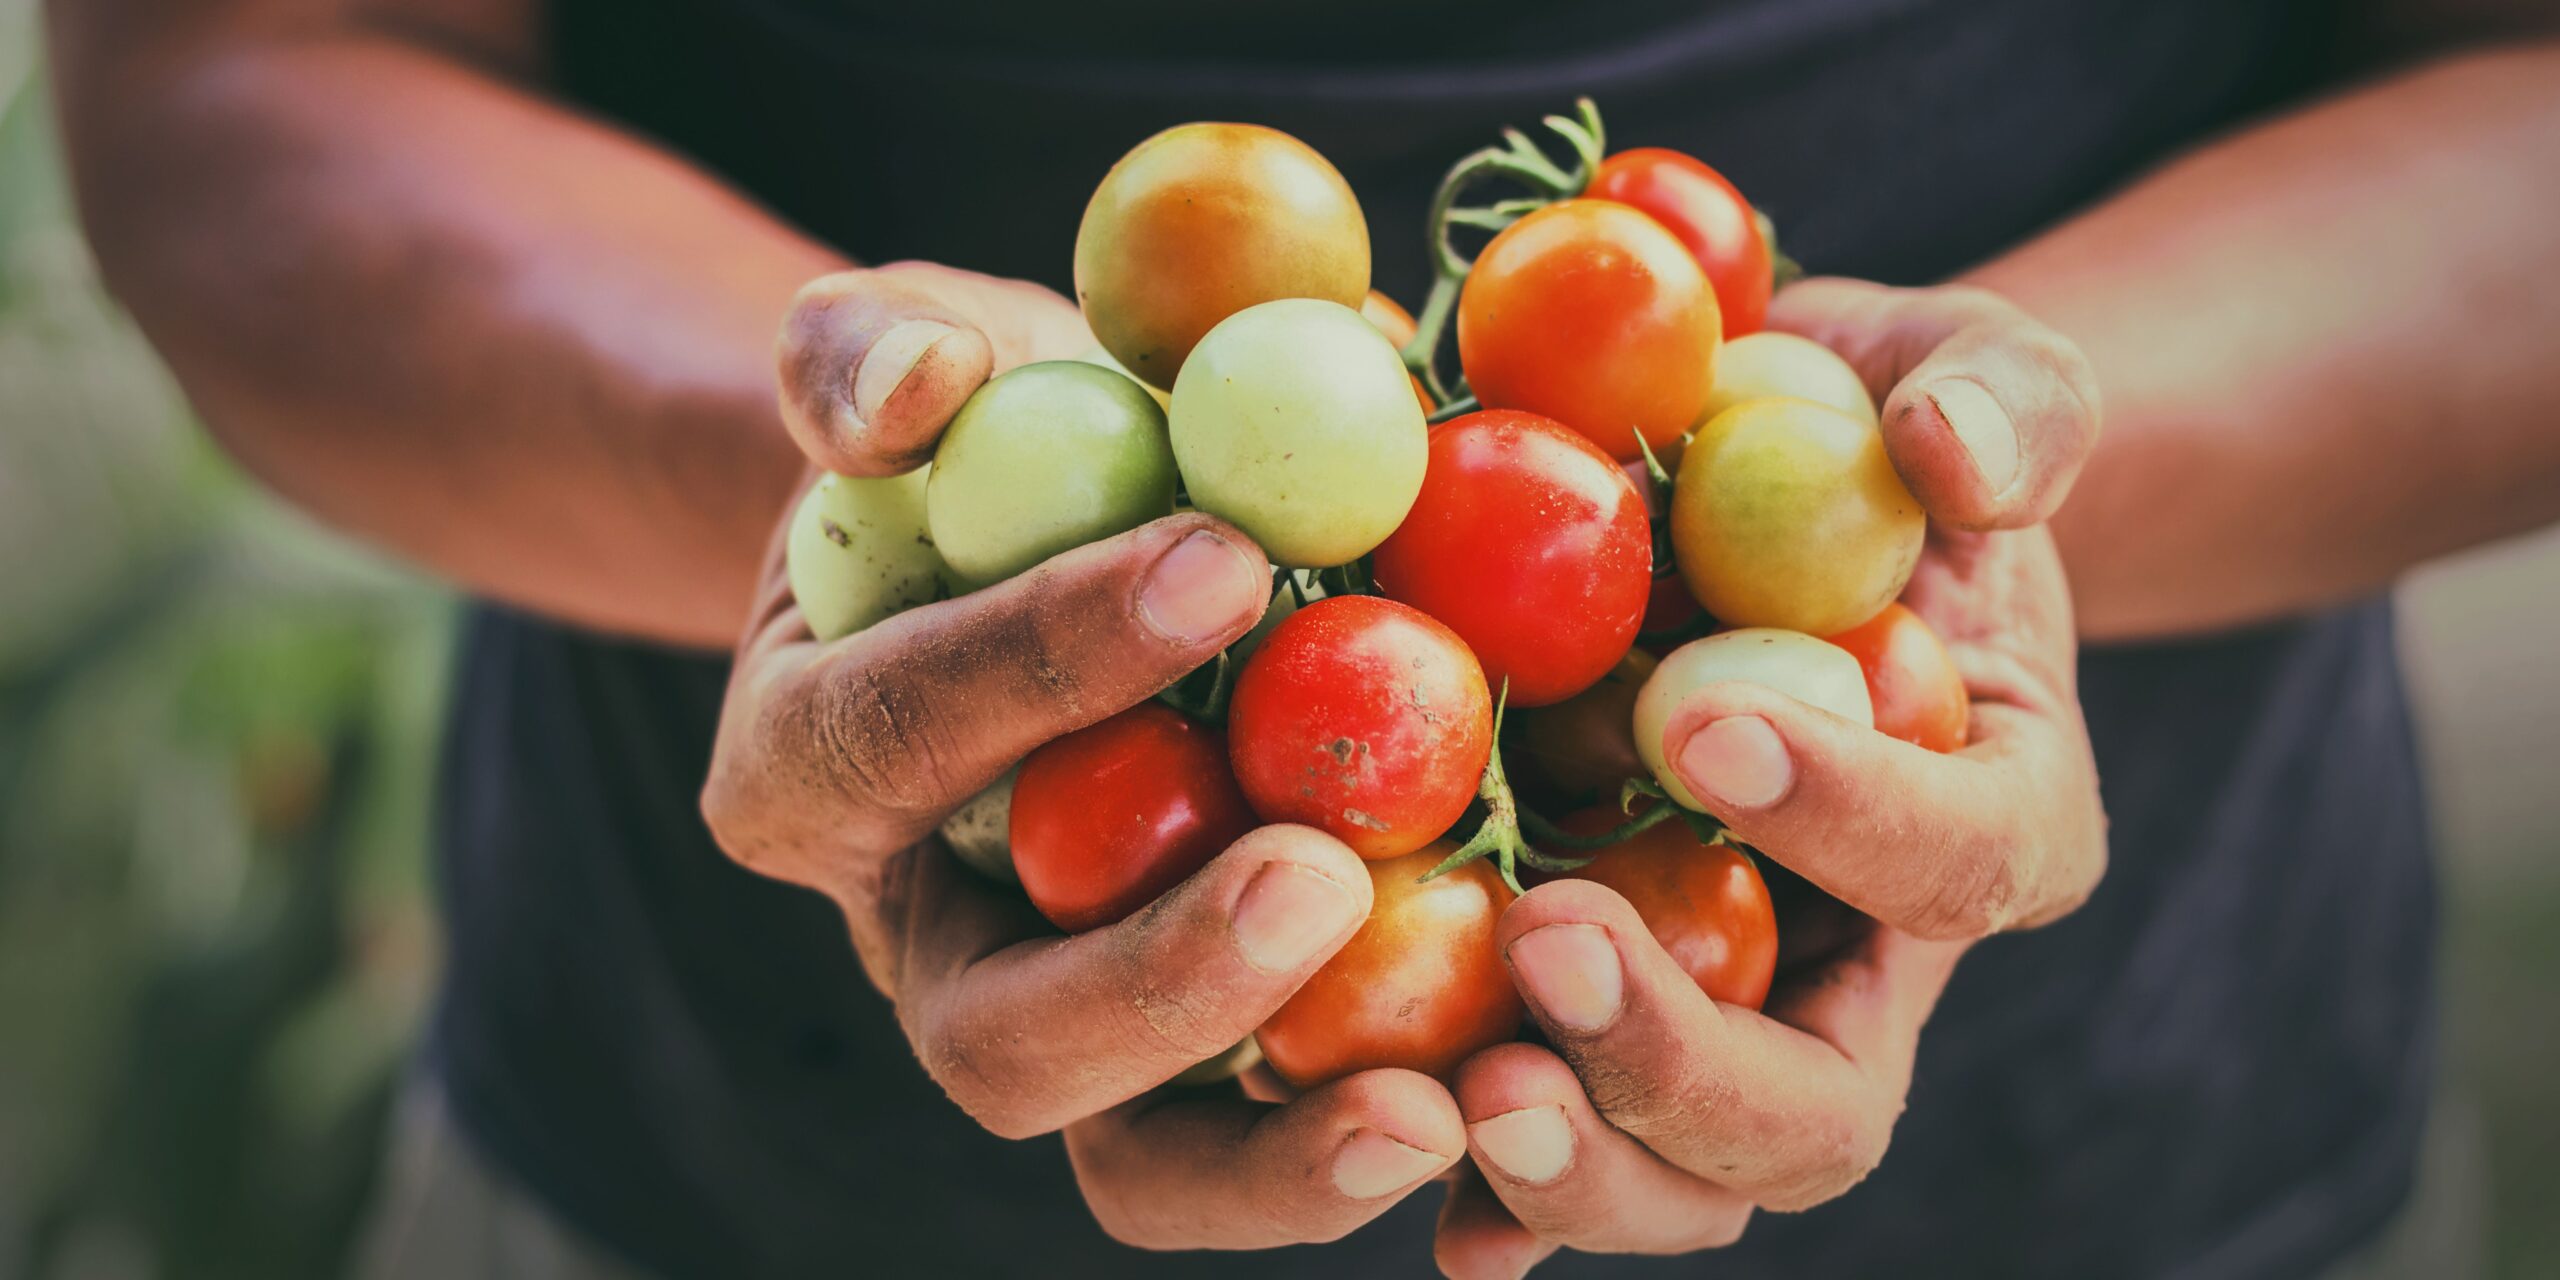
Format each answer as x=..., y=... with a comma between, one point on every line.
x=1287, y=912
x=1201, y=589
x=892, y=357
x=1530, y=1145
x=1738, y=762
x=1571, y=972
x=1371, y=1165
x=1983, y=426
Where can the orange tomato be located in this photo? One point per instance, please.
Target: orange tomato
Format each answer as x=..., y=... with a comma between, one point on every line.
x=1918, y=694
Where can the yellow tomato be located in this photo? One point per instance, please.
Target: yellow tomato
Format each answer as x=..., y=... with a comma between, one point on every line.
x=1788, y=513
x=1766, y=364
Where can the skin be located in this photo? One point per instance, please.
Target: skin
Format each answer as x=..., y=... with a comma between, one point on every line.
x=551, y=340
x=1705, y=903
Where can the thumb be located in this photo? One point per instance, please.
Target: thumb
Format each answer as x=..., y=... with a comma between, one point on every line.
x=872, y=367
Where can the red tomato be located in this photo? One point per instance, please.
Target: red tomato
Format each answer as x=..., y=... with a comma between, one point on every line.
x=1708, y=215
x=1591, y=313
x=1531, y=544
x=1420, y=986
x=1107, y=818
x=1705, y=903
x=1918, y=695
x=1362, y=718
x=1584, y=746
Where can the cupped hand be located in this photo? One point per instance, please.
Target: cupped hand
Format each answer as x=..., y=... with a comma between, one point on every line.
x=835, y=762
x=1659, y=1120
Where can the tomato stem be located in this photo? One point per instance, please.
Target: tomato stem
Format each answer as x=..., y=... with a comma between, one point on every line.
x=1783, y=270
x=1550, y=834
x=1518, y=160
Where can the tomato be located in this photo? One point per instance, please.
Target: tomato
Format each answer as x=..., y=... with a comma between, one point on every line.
x=1590, y=313
x=1046, y=458
x=1420, y=986
x=858, y=551
x=1365, y=719
x=1202, y=221
x=1532, y=545
x=1789, y=514
x=1804, y=668
x=979, y=832
x=1783, y=364
x=1669, y=606
x=1295, y=421
x=1705, y=903
x=1107, y=818
x=1101, y=359
x=1708, y=215
x=1584, y=746
x=1391, y=319
x=1918, y=694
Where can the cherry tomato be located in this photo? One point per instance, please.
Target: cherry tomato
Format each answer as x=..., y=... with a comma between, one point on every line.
x=1584, y=746
x=1531, y=544
x=1420, y=986
x=1202, y=221
x=1107, y=818
x=1919, y=696
x=1592, y=314
x=1043, y=459
x=1798, y=665
x=1708, y=215
x=1393, y=320
x=1365, y=719
x=1783, y=364
x=1705, y=903
x=859, y=551
x=1669, y=607
x=1789, y=514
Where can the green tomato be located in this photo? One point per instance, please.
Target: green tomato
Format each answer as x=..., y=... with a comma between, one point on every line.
x=1812, y=671
x=1295, y=421
x=1101, y=359
x=978, y=833
x=1044, y=459
x=858, y=552
x=1788, y=513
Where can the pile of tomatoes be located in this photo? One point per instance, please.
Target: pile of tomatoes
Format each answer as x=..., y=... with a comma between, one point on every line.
x=1631, y=492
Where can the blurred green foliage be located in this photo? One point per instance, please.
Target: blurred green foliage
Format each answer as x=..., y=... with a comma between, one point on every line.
x=216, y=729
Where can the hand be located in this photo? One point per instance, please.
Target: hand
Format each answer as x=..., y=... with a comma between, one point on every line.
x=836, y=762
x=1661, y=1119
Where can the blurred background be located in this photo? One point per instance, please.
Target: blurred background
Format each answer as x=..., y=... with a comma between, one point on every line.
x=217, y=723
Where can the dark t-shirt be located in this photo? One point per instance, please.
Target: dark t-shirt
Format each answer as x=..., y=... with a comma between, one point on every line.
x=2217, y=1067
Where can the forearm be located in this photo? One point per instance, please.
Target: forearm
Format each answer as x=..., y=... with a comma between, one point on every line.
x=526, y=351
x=2328, y=349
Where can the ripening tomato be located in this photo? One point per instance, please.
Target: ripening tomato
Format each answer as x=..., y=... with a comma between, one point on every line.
x=1365, y=719
x=1393, y=320
x=1789, y=514
x=1708, y=215
x=1815, y=672
x=1295, y=421
x=1783, y=364
x=1590, y=312
x=1584, y=746
x=1420, y=986
x=1918, y=694
x=1202, y=221
x=1705, y=903
x=1531, y=544
x=1107, y=818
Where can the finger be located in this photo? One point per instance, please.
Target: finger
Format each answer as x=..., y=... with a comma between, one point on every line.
x=1573, y=1178
x=1182, y=1171
x=1029, y=1033
x=1987, y=413
x=2003, y=834
x=1477, y=1238
x=1786, y=1115
x=867, y=742
x=873, y=364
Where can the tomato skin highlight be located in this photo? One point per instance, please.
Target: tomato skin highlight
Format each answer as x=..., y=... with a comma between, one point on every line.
x=1107, y=818
x=1705, y=903
x=1420, y=986
x=1202, y=221
x=1708, y=215
x=1589, y=312
x=1365, y=719
x=1919, y=695
x=1531, y=544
